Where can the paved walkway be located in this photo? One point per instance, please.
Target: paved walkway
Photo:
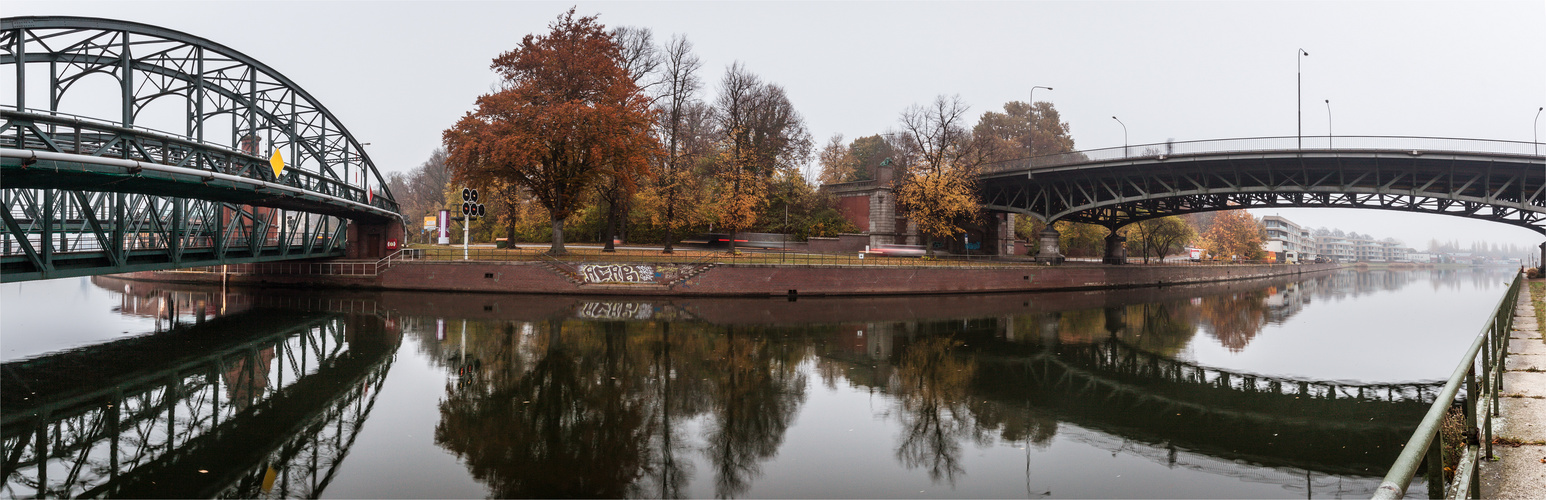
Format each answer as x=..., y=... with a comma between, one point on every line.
x=1520, y=471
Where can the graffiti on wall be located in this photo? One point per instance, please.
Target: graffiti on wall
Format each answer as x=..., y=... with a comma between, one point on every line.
x=618, y=273
x=631, y=273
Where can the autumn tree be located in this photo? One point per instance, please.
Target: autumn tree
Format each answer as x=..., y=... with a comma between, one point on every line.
x=837, y=165
x=566, y=116
x=421, y=192
x=762, y=135
x=1160, y=237
x=937, y=185
x=1023, y=131
x=1235, y=233
x=678, y=106
x=855, y=161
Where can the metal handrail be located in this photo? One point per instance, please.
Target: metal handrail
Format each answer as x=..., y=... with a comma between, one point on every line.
x=1480, y=406
x=1334, y=144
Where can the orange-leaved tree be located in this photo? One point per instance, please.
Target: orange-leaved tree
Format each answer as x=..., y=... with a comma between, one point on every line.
x=1235, y=234
x=567, y=114
x=937, y=188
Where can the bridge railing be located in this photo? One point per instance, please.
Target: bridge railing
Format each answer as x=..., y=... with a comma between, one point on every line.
x=66, y=133
x=1416, y=145
x=1481, y=373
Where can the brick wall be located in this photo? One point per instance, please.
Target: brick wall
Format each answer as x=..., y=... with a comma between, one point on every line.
x=766, y=280
x=855, y=207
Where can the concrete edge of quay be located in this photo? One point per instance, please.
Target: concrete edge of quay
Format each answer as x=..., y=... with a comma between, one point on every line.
x=748, y=280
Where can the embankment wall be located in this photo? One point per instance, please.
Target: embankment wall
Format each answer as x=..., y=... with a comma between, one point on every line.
x=760, y=279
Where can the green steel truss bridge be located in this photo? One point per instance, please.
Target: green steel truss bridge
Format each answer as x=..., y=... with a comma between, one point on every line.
x=97, y=194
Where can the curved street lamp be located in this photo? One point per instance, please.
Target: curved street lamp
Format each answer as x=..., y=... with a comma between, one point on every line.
x=1328, y=124
x=1030, y=149
x=1537, y=140
x=1299, y=69
x=1124, y=137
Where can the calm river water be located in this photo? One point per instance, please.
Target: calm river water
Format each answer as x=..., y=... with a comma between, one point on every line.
x=1302, y=387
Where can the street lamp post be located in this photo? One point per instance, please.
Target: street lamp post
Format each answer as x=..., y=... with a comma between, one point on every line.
x=1537, y=130
x=1328, y=124
x=1030, y=148
x=1124, y=137
x=1299, y=101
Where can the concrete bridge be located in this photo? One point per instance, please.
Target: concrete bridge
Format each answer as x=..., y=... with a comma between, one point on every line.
x=102, y=193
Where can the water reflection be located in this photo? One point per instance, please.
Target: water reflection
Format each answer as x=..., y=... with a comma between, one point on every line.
x=567, y=397
x=241, y=405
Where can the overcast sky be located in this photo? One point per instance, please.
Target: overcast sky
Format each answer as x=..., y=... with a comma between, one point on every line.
x=399, y=73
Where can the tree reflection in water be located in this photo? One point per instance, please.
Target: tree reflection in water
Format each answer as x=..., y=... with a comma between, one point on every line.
x=757, y=392
x=579, y=407
x=931, y=386
x=563, y=430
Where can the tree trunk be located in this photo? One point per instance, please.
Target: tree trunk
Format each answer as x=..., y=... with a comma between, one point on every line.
x=611, y=230
x=558, y=238
x=670, y=223
x=510, y=235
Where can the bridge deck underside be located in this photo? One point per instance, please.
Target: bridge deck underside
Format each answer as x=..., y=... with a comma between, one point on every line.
x=1507, y=189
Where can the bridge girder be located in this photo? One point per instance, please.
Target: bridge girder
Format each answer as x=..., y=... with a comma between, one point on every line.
x=1506, y=188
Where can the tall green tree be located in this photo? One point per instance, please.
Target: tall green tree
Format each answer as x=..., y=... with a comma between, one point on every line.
x=566, y=115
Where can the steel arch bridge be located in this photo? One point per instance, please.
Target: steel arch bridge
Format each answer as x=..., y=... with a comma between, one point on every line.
x=100, y=193
x=1500, y=181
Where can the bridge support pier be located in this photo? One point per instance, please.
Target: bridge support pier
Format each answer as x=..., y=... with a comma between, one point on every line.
x=1049, y=246
x=1116, y=249
x=1542, y=263
x=371, y=241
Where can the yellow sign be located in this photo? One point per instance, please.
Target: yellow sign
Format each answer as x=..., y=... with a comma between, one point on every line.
x=278, y=162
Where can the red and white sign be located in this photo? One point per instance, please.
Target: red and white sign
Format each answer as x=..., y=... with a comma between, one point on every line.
x=391, y=243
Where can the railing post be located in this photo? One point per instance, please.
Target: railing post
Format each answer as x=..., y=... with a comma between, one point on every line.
x=1472, y=404
x=1436, y=464
x=1485, y=407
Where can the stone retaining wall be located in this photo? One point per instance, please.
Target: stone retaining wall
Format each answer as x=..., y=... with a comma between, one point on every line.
x=763, y=280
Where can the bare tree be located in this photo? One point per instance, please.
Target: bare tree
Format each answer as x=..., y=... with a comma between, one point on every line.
x=640, y=58
x=763, y=135
x=680, y=77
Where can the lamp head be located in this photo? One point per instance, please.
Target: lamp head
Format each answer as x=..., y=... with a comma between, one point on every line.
x=1302, y=51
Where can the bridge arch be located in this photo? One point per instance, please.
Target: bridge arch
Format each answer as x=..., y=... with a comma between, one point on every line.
x=136, y=198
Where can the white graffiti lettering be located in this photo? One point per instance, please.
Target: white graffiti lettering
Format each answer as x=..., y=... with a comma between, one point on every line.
x=618, y=273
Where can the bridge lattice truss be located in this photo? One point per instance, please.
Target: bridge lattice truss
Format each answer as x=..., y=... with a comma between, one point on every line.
x=1147, y=396
x=102, y=193
x=1391, y=173
x=117, y=440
